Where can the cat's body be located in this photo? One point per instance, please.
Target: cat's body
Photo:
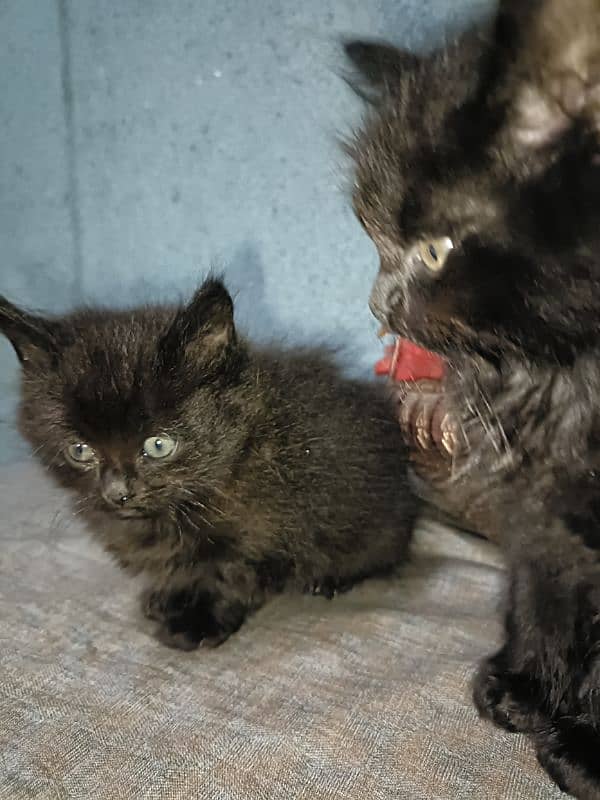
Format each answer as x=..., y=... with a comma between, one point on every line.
x=281, y=472
x=478, y=179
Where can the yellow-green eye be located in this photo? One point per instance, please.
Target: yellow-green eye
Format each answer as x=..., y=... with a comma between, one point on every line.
x=159, y=446
x=81, y=453
x=435, y=252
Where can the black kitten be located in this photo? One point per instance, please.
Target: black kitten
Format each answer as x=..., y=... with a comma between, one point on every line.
x=478, y=179
x=221, y=471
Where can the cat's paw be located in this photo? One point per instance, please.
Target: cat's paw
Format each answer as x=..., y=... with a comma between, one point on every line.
x=153, y=605
x=429, y=424
x=177, y=640
x=568, y=751
x=491, y=694
x=170, y=635
x=501, y=697
x=568, y=745
x=184, y=634
x=191, y=618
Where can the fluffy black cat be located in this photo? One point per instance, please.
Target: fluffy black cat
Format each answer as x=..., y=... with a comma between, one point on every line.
x=478, y=179
x=220, y=471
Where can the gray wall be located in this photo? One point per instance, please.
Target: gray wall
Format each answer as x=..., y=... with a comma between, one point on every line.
x=143, y=142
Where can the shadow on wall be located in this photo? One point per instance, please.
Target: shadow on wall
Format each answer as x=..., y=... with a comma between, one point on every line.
x=245, y=278
x=264, y=322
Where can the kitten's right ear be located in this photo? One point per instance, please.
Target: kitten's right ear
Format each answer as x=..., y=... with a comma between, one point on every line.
x=35, y=339
x=203, y=332
x=377, y=67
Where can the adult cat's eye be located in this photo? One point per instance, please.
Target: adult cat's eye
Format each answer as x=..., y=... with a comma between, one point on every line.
x=433, y=253
x=81, y=454
x=159, y=446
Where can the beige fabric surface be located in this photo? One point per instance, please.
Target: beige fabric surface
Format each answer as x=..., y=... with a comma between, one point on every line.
x=365, y=697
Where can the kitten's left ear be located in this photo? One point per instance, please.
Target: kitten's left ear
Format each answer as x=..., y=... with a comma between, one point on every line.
x=378, y=67
x=203, y=332
x=35, y=339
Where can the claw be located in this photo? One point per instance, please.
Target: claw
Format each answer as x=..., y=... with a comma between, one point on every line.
x=449, y=430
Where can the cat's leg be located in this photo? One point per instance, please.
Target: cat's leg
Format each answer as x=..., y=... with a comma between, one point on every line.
x=545, y=681
x=509, y=688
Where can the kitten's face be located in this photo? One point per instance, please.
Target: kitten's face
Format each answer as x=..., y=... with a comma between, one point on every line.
x=485, y=242
x=120, y=474
x=135, y=410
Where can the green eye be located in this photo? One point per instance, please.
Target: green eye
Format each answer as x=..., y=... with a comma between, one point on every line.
x=81, y=453
x=434, y=253
x=159, y=446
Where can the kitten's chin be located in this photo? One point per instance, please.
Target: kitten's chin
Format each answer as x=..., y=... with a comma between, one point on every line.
x=131, y=513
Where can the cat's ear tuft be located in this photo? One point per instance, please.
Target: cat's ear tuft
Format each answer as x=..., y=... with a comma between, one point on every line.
x=35, y=339
x=203, y=331
x=377, y=66
x=556, y=86
x=210, y=315
x=539, y=119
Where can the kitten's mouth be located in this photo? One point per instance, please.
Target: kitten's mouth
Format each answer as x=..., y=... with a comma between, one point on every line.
x=131, y=513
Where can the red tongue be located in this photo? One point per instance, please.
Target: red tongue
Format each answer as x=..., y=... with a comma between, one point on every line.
x=405, y=361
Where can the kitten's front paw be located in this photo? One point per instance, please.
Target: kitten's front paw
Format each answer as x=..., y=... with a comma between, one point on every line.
x=182, y=635
x=501, y=696
x=169, y=635
x=177, y=640
x=190, y=618
x=154, y=604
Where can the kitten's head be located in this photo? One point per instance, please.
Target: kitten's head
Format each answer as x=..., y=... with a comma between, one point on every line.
x=481, y=195
x=138, y=410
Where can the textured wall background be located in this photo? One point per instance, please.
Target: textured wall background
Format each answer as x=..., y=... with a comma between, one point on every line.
x=144, y=141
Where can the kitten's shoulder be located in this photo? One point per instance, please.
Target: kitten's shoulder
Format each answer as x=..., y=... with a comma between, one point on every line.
x=312, y=380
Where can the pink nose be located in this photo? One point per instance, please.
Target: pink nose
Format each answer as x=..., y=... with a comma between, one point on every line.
x=115, y=488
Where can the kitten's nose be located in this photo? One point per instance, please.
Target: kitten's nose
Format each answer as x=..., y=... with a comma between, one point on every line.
x=115, y=489
x=385, y=295
x=378, y=301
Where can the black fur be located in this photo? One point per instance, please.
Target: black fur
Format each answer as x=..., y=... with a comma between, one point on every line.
x=284, y=473
x=494, y=143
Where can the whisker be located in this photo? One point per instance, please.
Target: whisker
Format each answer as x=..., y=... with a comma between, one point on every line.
x=176, y=521
x=197, y=502
x=185, y=514
x=500, y=426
